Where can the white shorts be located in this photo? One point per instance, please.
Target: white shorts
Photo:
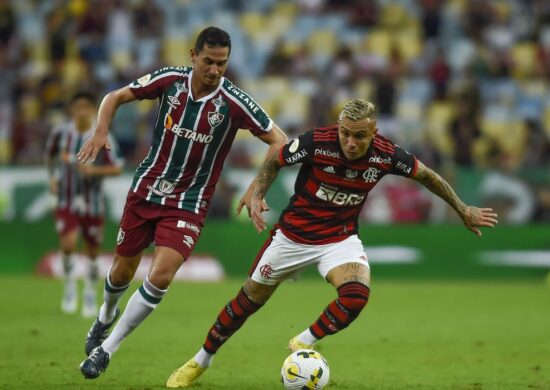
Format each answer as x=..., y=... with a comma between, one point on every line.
x=284, y=258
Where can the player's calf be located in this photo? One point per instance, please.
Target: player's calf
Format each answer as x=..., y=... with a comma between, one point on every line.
x=352, y=298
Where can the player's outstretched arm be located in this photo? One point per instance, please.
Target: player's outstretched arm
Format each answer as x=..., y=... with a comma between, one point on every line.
x=276, y=139
x=473, y=217
x=107, y=109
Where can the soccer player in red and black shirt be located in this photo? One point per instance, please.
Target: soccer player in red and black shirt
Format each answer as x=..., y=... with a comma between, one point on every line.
x=199, y=114
x=340, y=165
x=79, y=196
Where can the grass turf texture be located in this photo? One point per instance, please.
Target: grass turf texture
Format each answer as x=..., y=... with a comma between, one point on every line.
x=412, y=335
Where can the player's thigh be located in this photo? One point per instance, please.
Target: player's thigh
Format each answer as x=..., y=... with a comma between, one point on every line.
x=345, y=261
x=280, y=258
x=259, y=292
x=349, y=272
x=68, y=240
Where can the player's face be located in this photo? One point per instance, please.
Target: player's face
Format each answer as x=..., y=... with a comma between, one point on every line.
x=83, y=111
x=356, y=136
x=210, y=64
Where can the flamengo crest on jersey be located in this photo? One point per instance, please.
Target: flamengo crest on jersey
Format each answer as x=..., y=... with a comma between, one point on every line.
x=330, y=190
x=191, y=137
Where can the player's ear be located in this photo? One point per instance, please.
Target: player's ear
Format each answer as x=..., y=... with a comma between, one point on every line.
x=193, y=54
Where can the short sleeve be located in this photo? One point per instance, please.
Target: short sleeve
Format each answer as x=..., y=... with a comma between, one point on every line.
x=299, y=150
x=153, y=85
x=403, y=163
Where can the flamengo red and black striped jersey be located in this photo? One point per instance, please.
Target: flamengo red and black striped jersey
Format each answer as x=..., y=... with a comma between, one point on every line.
x=76, y=193
x=191, y=137
x=330, y=190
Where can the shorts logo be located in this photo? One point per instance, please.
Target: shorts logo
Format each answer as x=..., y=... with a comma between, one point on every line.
x=187, y=225
x=120, y=236
x=371, y=175
x=188, y=240
x=166, y=186
x=143, y=81
x=266, y=270
x=294, y=146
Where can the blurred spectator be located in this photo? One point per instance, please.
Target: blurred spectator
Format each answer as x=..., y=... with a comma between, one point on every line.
x=440, y=74
x=464, y=132
x=537, y=146
x=278, y=62
x=7, y=23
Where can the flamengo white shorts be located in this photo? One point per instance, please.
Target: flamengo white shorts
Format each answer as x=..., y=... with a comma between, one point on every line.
x=284, y=258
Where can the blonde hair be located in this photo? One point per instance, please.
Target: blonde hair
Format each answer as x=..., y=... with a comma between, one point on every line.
x=357, y=109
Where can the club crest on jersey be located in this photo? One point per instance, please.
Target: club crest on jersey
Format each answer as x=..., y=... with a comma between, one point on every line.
x=173, y=102
x=215, y=118
x=371, y=175
x=143, y=81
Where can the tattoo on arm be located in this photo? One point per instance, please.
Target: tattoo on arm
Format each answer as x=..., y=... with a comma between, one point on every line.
x=267, y=174
x=440, y=187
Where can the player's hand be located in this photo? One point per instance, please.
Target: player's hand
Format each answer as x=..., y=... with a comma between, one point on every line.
x=257, y=207
x=92, y=146
x=475, y=217
x=246, y=200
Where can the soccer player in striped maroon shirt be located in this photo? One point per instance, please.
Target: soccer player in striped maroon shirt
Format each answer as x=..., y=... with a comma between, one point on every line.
x=79, y=197
x=340, y=165
x=199, y=114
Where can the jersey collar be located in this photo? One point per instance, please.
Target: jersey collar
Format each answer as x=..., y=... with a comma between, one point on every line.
x=207, y=97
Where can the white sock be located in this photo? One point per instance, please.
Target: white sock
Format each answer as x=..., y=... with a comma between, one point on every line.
x=204, y=358
x=140, y=305
x=111, y=296
x=67, y=260
x=90, y=280
x=307, y=337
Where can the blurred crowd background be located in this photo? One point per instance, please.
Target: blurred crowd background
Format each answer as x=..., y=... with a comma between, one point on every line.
x=462, y=84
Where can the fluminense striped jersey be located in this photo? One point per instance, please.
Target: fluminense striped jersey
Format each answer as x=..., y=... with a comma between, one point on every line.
x=191, y=137
x=330, y=190
x=79, y=194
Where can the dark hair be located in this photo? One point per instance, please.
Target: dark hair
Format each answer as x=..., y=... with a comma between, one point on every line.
x=212, y=36
x=87, y=95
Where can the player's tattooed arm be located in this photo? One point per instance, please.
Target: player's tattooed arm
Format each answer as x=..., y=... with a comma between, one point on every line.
x=473, y=217
x=267, y=174
x=436, y=184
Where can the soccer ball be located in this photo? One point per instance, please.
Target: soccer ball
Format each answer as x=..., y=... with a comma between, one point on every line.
x=305, y=369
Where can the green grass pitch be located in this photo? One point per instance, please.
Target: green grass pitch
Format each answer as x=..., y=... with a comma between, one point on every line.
x=412, y=335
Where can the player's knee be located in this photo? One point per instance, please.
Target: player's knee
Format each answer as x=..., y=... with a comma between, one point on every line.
x=160, y=280
x=354, y=295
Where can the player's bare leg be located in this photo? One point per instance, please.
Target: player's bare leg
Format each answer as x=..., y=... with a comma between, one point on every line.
x=89, y=301
x=250, y=299
x=67, y=243
x=352, y=281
